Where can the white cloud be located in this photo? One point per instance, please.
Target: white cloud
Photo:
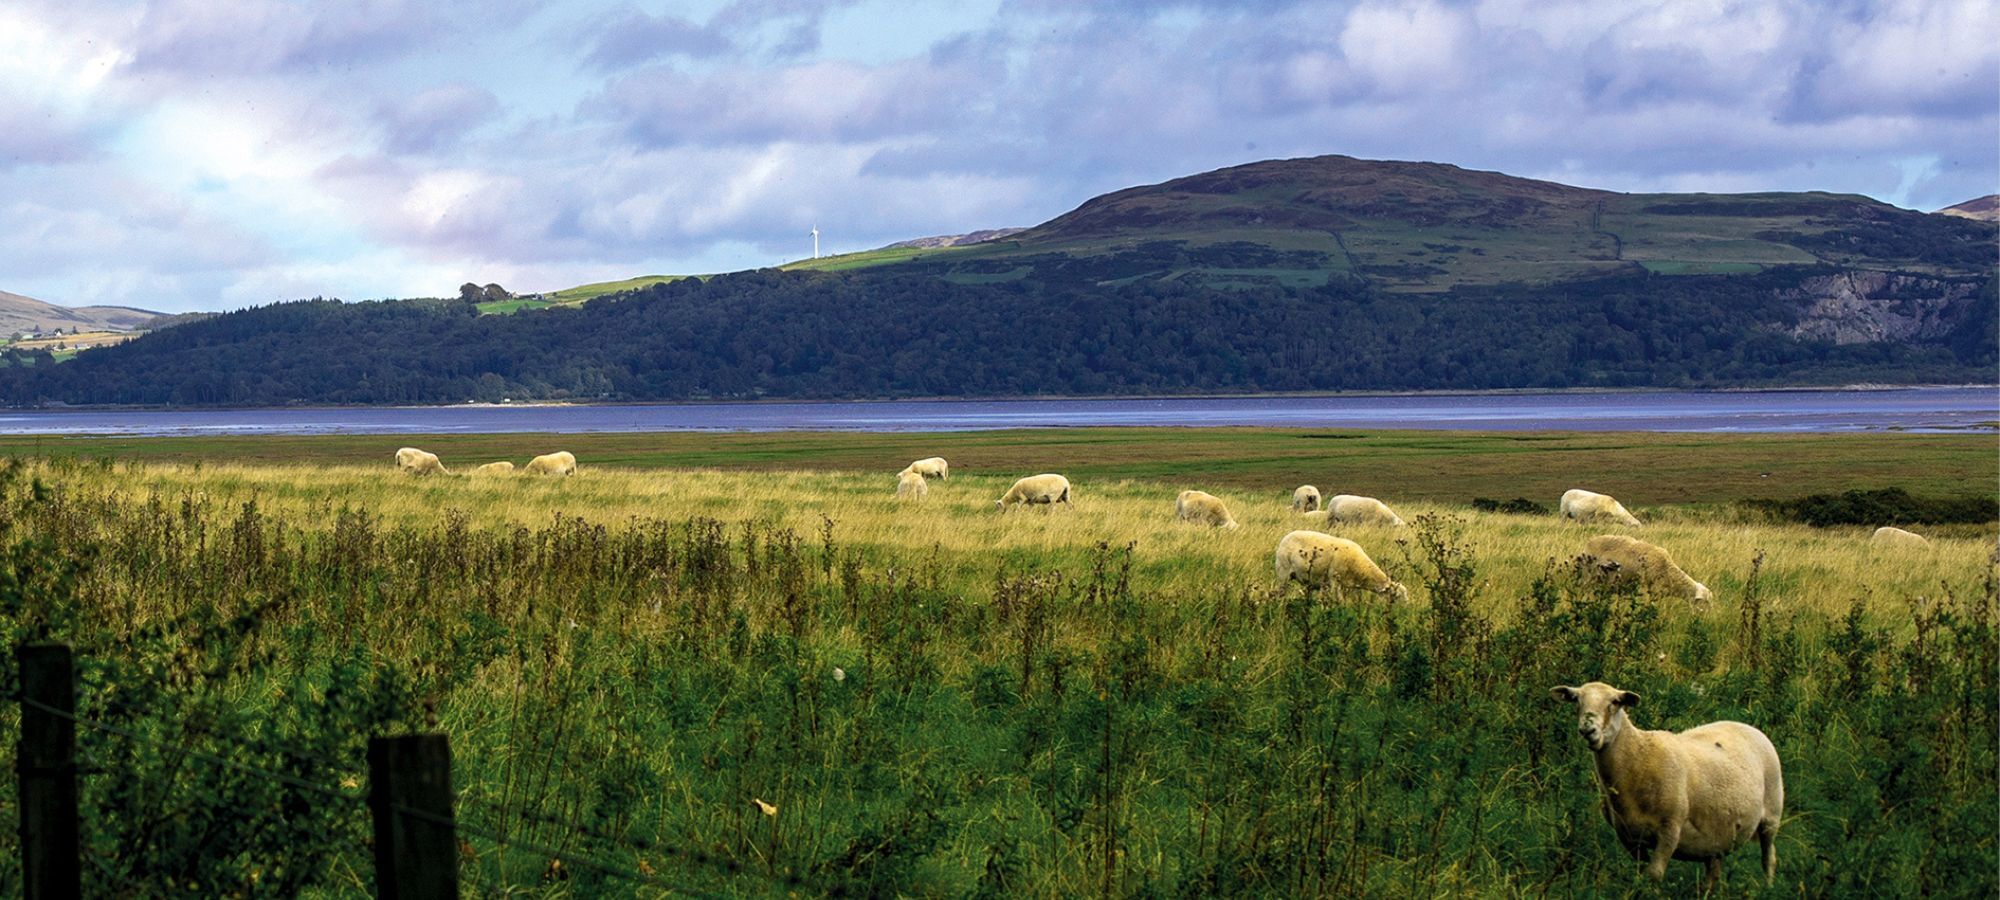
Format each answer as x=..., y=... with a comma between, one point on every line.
x=251, y=150
x=1409, y=47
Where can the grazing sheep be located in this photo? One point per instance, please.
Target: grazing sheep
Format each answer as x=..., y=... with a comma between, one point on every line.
x=1898, y=539
x=1691, y=796
x=561, y=462
x=1036, y=489
x=502, y=467
x=1203, y=508
x=935, y=467
x=1613, y=553
x=1305, y=498
x=1352, y=510
x=418, y=462
x=910, y=485
x=1585, y=506
x=1322, y=559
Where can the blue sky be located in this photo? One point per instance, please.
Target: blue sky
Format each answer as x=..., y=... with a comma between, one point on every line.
x=212, y=154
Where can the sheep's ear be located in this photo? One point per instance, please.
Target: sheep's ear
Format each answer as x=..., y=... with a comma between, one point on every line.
x=1627, y=699
x=1563, y=694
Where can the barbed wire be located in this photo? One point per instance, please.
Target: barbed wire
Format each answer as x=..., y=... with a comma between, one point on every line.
x=687, y=854
x=499, y=837
x=504, y=840
x=210, y=758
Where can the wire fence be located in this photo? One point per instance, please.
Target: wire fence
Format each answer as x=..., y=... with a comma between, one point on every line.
x=688, y=854
x=501, y=836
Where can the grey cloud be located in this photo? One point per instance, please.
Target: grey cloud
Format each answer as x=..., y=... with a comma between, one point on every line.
x=37, y=134
x=437, y=118
x=631, y=36
x=832, y=100
x=247, y=37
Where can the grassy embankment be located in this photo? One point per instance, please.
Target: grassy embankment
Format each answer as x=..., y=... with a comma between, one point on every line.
x=944, y=701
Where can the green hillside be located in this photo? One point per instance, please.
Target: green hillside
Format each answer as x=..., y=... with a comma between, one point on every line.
x=1404, y=226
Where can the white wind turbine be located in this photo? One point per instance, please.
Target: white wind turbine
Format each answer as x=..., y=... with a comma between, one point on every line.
x=815, y=234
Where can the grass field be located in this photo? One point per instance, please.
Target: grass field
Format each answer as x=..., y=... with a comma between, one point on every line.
x=1437, y=466
x=934, y=699
x=503, y=307
x=584, y=292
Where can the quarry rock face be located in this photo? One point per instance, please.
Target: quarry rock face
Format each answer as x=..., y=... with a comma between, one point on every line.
x=1873, y=307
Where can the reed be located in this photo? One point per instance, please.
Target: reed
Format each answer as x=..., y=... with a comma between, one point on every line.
x=938, y=699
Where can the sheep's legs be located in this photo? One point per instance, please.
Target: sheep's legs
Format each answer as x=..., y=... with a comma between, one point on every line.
x=1664, y=844
x=1712, y=876
x=1767, y=835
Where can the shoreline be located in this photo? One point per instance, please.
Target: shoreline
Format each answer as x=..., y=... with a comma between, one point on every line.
x=1862, y=387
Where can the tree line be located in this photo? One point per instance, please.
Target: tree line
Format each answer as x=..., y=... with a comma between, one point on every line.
x=908, y=333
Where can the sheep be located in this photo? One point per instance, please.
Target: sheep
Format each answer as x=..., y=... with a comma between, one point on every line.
x=418, y=462
x=1322, y=559
x=1898, y=539
x=1692, y=796
x=1305, y=498
x=934, y=467
x=910, y=485
x=1585, y=506
x=1612, y=553
x=1203, y=508
x=1049, y=489
x=1352, y=510
x=502, y=467
x=561, y=462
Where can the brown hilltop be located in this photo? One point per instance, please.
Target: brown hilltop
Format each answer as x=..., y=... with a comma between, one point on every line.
x=19, y=313
x=1327, y=193
x=1984, y=209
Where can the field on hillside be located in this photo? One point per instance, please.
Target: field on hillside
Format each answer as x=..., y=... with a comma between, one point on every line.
x=780, y=679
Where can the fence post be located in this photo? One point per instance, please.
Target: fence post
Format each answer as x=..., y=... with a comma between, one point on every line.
x=46, y=758
x=416, y=856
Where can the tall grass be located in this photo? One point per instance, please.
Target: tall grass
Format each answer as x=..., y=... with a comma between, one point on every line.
x=941, y=700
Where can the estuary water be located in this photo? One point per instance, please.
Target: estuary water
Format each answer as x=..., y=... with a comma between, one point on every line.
x=1929, y=409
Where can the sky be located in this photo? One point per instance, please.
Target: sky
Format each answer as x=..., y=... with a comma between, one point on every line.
x=214, y=154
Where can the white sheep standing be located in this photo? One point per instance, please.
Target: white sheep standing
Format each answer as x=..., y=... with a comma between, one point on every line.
x=1321, y=559
x=419, y=462
x=1354, y=510
x=1305, y=498
x=561, y=462
x=1045, y=488
x=1692, y=796
x=1614, y=553
x=1897, y=538
x=910, y=485
x=502, y=467
x=1585, y=506
x=1203, y=508
x=934, y=467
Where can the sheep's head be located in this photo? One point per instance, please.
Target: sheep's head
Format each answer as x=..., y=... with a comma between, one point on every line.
x=1397, y=592
x=1702, y=594
x=1600, y=710
x=999, y=506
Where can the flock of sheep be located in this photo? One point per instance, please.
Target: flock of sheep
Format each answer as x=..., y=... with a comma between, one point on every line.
x=421, y=462
x=1695, y=795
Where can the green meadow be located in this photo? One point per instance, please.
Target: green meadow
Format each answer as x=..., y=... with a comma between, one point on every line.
x=737, y=663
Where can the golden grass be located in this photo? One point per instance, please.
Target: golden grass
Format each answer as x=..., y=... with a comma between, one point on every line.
x=1822, y=569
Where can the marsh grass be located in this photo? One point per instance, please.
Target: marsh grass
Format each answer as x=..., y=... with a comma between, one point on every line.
x=942, y=700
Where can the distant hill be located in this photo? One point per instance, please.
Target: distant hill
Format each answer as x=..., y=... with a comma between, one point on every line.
x=1318, y=274
x=1419, y=226
x=19, y=313
x=1984, y=209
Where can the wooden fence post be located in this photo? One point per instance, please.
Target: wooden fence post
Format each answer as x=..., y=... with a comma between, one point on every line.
x=46, y=759
x=416, y=856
